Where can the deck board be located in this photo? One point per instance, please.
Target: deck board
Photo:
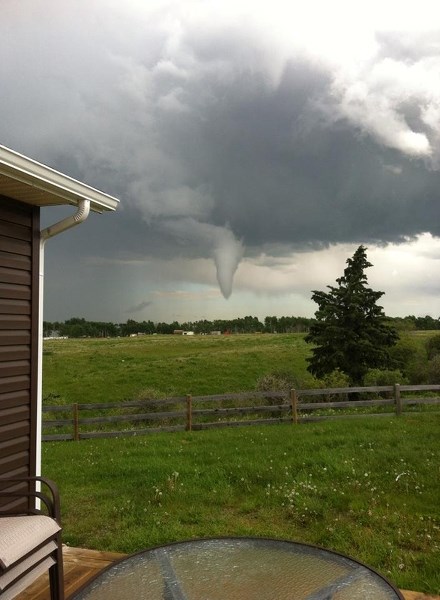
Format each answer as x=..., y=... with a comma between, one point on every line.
x=80, y=565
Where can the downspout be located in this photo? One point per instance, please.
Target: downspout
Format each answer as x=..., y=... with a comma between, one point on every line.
x=81, y=215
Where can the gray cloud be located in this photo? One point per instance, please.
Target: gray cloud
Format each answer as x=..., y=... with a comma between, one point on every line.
x=139, y=307
x=219, y=143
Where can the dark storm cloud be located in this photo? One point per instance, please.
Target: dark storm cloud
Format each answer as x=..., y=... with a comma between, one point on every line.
x=210, y=152
x=280, y=173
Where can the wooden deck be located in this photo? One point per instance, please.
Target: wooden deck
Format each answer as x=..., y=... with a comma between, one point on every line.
x=80, y=565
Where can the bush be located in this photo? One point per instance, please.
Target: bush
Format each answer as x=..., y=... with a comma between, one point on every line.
x=384, y=377
x=417, y=372
x=433, y=346
x=278, y=381
x=433, y=370
x=410, y=356
x=405, y=353
x=335, y=379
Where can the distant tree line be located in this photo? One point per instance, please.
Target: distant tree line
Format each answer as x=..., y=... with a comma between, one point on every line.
x=412, y=323
x=80, y=327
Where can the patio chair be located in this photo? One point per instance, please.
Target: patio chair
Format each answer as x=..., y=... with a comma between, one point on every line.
x=30, y=536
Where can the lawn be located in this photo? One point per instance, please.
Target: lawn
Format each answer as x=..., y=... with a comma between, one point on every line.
x=367, y=488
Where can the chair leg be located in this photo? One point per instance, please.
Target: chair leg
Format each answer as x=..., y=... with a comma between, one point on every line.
x=56, y=576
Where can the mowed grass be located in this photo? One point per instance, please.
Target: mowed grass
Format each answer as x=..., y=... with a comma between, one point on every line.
x=114, y=370
x=368, y=488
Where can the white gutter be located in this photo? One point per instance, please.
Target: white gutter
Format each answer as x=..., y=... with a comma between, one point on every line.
x=51, y=187
x=71, y=221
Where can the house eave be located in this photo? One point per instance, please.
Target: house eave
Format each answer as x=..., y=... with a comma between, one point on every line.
x=29, y=181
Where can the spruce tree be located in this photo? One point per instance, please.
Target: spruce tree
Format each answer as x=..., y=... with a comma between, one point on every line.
x=351, y=332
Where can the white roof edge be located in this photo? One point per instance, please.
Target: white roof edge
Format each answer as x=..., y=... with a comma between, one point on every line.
x=35, y=174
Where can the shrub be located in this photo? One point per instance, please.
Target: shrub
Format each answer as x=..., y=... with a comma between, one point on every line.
x=279, y=381
x=433, y=346
x=384, y=377
x=335, y=379
x=405, y=353
x=417, y=372
x=433, y=369
x=410, y=356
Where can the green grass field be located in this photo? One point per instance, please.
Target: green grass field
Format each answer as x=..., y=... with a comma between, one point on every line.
x=368, y=487
x=114, y=370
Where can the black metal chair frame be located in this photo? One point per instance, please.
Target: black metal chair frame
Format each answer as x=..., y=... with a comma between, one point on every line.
x=29, y=500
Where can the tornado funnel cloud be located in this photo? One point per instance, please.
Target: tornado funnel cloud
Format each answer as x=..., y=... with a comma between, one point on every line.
x=220, y=242
x=228, y=252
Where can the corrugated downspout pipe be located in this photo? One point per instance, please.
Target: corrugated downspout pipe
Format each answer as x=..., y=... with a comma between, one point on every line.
x=81, y=215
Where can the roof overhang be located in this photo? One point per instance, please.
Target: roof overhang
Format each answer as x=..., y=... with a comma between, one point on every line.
x=31, y=182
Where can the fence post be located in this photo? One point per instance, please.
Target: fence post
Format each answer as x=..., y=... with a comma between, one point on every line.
x=397, y=399
x=294, y=404
x=75, y=422
x=189, y=413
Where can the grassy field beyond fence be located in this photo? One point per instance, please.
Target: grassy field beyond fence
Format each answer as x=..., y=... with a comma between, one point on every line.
x=125, y=369
x=114, y=370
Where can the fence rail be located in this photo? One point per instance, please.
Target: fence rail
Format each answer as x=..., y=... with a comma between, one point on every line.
x=229, y=410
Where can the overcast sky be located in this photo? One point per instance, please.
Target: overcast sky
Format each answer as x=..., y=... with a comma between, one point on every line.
x=253, y=146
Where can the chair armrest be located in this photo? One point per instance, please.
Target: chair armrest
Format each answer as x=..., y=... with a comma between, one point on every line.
x=50, y=498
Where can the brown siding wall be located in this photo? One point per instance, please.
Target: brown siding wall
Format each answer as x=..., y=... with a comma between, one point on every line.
x=19, y=261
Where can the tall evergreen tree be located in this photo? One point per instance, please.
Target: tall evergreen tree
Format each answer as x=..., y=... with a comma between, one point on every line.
x=351, y=332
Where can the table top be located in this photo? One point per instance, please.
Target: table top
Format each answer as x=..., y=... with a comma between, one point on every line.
x=238, y=569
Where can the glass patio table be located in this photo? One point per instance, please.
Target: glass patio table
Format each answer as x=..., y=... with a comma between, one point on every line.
x=237, y=569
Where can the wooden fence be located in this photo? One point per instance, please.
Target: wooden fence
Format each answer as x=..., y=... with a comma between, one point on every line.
x=229, y=410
